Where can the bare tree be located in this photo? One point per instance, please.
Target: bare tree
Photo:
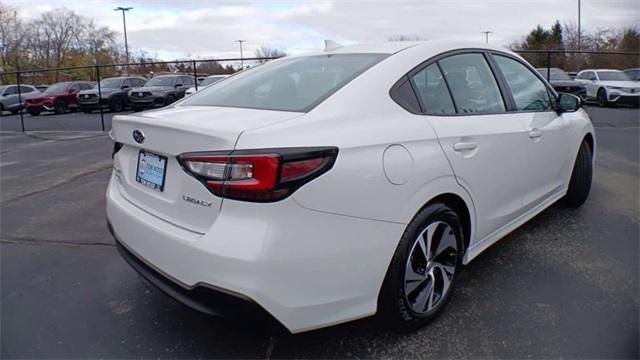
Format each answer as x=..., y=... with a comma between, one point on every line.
x=11, y=38
x=406, y=37
x=269, y=52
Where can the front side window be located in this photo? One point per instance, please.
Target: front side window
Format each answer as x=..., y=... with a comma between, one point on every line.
x=472, y=84
x=432, y=91
x=161, y=81
x=290, y=84
x=26, y=89
x=210, y=80
x=110, y=83
x=612, y=76
x=59, y=87
x=11, y=90
x=529, y=92
x=554, y=74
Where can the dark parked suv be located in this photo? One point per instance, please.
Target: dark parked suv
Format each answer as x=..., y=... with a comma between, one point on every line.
x=562, y=82
x=159, y=91
x=115, y=94
x=57, y=97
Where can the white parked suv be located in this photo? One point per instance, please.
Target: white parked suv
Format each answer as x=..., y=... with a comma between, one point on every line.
x=610, y=87
x=323, y=188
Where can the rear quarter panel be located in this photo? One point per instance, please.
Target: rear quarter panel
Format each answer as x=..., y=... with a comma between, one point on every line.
x=362, y=121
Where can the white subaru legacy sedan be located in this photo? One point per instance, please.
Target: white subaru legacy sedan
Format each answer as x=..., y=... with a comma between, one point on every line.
x=322, y=188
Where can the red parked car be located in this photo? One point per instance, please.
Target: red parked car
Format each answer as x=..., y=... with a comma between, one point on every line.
x=57, y=97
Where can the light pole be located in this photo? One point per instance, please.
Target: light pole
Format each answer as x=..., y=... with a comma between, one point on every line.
x=579, y=22
x=124, y=24
x=486, y=35
x=241, y=57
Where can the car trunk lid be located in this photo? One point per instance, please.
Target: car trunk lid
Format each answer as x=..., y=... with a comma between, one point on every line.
x=181, y=200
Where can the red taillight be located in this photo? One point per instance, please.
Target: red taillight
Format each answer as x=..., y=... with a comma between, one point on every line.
x=260, y=175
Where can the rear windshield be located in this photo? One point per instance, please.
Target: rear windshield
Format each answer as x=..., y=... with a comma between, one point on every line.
x=294, y=84
x=613, y=76
x=210, y=80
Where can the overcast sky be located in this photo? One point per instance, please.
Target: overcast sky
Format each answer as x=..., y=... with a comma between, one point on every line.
x=180, y=28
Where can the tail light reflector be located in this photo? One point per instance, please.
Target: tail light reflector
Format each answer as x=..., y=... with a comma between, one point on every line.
x=258, y=175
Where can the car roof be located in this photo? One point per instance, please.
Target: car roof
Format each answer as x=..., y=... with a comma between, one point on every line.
x=552, y=68
x=433, y=47
x=123, y=77
x=170, y=75
x=611, y=70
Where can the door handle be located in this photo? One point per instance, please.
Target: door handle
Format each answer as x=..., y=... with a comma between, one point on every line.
x=535, y=133
x=461, y=146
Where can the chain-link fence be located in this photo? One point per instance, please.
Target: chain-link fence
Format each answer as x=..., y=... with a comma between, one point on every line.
x=575, y=61
x=20, y=86
x=35, y=96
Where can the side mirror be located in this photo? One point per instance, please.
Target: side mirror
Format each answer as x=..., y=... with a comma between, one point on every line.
x=177, y=85
x=568, y=103
x=124, y=87
x=71, y=91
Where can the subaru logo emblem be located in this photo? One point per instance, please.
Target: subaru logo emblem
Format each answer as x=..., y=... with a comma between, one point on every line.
x=138, y=136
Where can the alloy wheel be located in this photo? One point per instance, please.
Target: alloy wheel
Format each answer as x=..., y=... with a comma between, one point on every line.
x=430, y=267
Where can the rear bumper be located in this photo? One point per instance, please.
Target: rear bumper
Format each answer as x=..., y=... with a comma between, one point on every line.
x=202, y=297
x=305, y=268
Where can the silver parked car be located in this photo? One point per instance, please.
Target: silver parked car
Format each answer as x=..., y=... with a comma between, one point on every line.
x=9, y=99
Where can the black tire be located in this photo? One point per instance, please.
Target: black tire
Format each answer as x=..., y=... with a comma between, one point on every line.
x=34, y=112
x=602, y=98
x=394, y=310
x=170, y=99
x=116, y=104
x=580, y=183
x=15, y=112
x=137, y=109
x=60, y=107
x=1, y=110
x=86, y=110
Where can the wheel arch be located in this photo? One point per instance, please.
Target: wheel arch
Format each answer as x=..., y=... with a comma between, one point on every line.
x=588, y=137
x=459, y=205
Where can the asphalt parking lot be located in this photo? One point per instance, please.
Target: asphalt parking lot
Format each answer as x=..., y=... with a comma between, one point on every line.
x=564, y=285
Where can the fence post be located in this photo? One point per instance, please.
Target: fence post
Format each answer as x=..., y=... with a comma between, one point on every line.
x=548, y=65
x=100, y=97
x=195, y=74
x=20, y=100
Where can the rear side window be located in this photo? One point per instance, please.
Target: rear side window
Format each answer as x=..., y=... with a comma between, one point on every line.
x=529, y=92
x=294, y=84
x=432, y=91
x=187, y=80
x=472, y=84
x=137, y=82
